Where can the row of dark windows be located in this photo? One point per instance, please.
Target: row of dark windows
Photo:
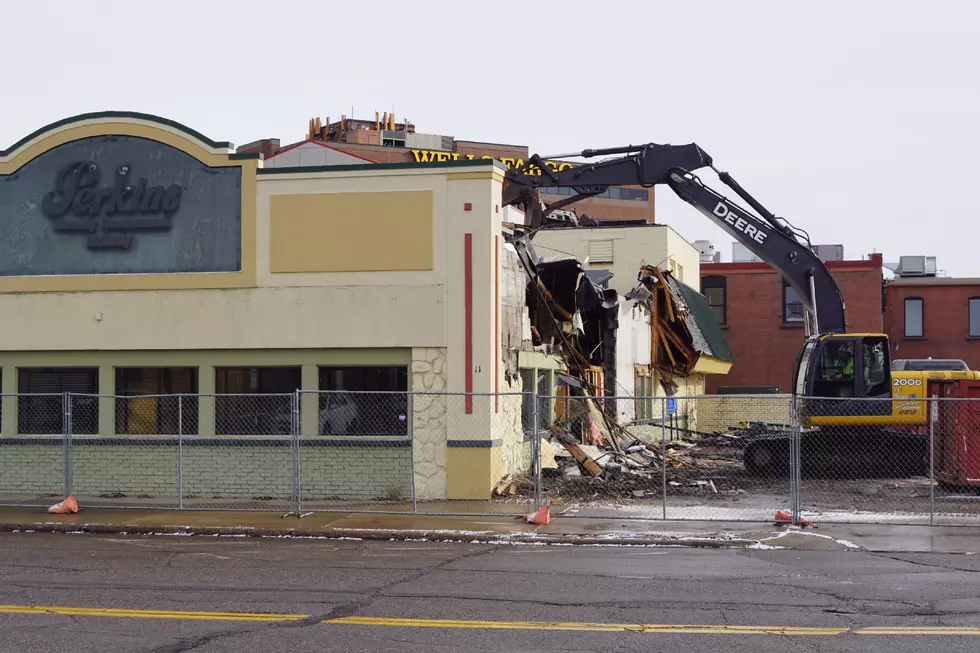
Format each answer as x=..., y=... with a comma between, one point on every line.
x=613, y=193
x=248, y=400
x=915, y=325
x=715, y=289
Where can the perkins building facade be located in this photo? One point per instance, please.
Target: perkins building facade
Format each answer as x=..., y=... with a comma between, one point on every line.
x=140, y=260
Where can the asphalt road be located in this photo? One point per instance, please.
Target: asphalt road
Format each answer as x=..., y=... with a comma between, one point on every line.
x=87, y=593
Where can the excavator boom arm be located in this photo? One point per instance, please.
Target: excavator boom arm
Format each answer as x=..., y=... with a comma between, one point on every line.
x=767, y=237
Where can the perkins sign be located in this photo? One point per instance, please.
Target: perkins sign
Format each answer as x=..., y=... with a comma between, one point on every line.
x=119, y=206
x=427, y=156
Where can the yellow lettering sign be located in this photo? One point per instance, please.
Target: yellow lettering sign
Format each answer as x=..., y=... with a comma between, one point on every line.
x=428, y=156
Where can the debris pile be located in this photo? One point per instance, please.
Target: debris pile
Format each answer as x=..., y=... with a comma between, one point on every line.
x=587, y=449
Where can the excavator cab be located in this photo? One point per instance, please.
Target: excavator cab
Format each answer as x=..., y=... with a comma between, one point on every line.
x=846, y=377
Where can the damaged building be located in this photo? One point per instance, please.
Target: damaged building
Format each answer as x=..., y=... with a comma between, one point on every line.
x=581, y=336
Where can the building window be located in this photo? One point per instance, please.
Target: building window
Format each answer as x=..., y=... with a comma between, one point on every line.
x=148, y=403
x=793, y=311
x=42, y=413
x=540, y=384
x=613, y=192
x=240, y=407
x=975, y=317
x=714, y=288
x=363, y=400
x=913, y=318
x=643, y=394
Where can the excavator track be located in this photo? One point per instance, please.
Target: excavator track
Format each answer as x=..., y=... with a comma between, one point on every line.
x=855, y=452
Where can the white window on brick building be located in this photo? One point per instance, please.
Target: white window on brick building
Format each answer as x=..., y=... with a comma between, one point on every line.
x=975, y=317
x=914, y=324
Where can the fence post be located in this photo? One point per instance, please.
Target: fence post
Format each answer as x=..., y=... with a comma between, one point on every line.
x=296, y=499
x=180, y=452
x=411, y=448
x=663, y=455
x=931, y=408
x=795, y=461
x=535, y=447
x=67, y=435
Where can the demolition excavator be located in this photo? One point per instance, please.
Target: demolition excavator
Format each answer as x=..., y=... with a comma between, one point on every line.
x=852, y=407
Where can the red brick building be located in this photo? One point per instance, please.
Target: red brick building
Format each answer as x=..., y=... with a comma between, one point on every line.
x=383, y=140
x=763, y=317
x=937, y=317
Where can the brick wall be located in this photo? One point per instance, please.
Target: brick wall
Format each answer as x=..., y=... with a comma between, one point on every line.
x=607, y=209
x=946, y=322
x=496, y=150
x=765, y=348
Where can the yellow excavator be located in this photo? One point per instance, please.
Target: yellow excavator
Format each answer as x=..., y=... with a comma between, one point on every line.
x=854, y=409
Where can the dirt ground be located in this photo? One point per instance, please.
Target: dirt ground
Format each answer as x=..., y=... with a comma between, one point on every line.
x=720, y=488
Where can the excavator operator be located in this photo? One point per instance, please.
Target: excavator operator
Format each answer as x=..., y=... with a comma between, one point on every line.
x=847, y=357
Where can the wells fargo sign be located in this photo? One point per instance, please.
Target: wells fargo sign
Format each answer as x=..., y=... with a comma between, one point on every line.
x=427, y=156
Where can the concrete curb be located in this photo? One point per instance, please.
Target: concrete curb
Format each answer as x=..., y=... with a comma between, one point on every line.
x=519, y=537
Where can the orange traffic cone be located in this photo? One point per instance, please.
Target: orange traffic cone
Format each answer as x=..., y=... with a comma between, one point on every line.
x=540, y=517
x=68, y=506
x=786, y=517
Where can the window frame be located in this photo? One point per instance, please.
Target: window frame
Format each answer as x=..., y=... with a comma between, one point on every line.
x=85, y=405
x=972, y=330
x=922, y=317
x=716, y=282
x=785, y=306
x=163, y=399
x=234, y=407
x=378, y=402
x=546, y=401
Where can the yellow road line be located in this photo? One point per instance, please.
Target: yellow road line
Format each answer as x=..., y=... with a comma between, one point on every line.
x=149, y=614
x=917, y=630
x=593, y=627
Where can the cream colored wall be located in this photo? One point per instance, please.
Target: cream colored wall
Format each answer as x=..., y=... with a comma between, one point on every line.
x=302, y=310
x=686, y=255
x=632, y=247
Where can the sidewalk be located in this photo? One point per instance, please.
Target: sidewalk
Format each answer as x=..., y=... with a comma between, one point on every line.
x=497, y=530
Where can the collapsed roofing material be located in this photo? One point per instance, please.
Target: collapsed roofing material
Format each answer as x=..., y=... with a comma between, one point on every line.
x=682, y=327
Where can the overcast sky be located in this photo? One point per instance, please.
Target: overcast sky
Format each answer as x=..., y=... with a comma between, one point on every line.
x=856, y=120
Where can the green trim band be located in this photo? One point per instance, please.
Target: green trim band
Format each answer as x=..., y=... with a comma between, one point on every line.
x=404, y=165
x=195, y=441
x=98, y=115
x=485, y=444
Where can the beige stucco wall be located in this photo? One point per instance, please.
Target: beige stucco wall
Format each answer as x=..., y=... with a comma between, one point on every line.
x=381, y=298
x=722, y=413
x=633, y=246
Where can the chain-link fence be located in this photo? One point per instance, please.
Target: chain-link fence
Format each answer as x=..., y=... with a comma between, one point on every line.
x=751, y=458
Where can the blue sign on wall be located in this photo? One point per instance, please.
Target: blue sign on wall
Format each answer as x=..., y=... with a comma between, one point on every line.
x=671, y=405
x=119, y=205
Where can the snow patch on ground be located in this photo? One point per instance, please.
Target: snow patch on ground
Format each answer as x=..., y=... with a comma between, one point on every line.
x=845, y=543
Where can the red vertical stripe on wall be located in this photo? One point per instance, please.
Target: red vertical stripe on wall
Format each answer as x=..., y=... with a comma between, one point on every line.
x=496, y=324
x=468, y=285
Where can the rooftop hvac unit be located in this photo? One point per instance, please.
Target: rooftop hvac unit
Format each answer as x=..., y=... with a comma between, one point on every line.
x=916, y=266
x=742, y=254
x=829, y=252
x=707, y=250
